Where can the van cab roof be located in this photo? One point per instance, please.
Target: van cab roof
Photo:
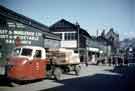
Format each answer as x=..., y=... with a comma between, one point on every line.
x=30, y=47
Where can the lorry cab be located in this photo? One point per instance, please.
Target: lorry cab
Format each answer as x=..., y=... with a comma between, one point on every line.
x=27, y=63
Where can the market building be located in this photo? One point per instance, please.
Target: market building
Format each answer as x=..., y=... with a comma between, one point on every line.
x=73, y=37
x=17, y=29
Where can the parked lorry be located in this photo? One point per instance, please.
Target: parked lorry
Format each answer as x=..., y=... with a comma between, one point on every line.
x=32, y=62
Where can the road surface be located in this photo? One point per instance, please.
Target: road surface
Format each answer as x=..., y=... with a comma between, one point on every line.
x=92, y=78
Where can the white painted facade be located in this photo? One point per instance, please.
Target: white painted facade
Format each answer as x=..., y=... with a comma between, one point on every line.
x=67, y=43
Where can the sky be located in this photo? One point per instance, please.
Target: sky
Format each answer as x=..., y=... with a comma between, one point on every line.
x=92, y=15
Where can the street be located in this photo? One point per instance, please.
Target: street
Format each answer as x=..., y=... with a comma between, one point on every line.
x=92, y=78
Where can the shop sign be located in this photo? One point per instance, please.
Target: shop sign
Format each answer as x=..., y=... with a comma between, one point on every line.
x=26, y=37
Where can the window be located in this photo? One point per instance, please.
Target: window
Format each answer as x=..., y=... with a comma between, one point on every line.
x=26, y=52
x=66, y=36
x=16, y=51
x=70, y=36
x=73, y=36
x=38, y=54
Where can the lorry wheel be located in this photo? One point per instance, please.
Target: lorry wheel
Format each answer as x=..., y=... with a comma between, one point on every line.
x=49, y=74
x=57, y=73
x=77, y=69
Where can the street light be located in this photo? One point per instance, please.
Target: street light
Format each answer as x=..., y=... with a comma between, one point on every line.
x=78, y=39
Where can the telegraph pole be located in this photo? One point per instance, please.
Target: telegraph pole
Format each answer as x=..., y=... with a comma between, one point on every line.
x=78, y=37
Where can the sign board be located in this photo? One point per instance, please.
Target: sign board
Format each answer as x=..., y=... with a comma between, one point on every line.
x=26, y=37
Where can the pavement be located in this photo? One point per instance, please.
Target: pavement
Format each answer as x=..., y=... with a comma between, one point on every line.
x=91, y=78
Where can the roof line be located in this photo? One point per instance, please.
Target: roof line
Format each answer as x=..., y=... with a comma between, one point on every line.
x=13, y=14
x=69, y=23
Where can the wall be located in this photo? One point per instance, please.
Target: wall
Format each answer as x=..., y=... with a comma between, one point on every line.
x=11, y=29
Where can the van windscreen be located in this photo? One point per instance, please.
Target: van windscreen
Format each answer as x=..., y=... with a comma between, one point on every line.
x=26, y=52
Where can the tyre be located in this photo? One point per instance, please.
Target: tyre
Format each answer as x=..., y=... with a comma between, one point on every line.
x=77, y=69
x=49, y=74
x=57, y=73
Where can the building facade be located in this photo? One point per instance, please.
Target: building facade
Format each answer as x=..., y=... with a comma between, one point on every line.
x=104, y=45
x=113, y=37
x=16, y=28
x=99, y=47
x=72, y=37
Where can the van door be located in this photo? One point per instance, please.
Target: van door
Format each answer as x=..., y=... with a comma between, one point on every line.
x=38, y=67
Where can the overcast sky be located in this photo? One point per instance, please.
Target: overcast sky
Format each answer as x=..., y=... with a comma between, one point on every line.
x=92, y=15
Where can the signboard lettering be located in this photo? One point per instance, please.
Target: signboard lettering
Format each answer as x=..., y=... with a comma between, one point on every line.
x=25, y=36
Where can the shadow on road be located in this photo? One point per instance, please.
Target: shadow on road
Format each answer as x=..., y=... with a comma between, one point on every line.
x=5, y=81
x=124, y=70
x=128, y=74
x=101, y=82
x=98, y=82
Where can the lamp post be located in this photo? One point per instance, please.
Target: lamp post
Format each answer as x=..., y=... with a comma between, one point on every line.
x=78, y=37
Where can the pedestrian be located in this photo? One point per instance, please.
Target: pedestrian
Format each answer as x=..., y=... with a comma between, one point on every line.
x=114, y=61
x=119, y=61
x=125, y=60
x=86, y=62
x=109, y=61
